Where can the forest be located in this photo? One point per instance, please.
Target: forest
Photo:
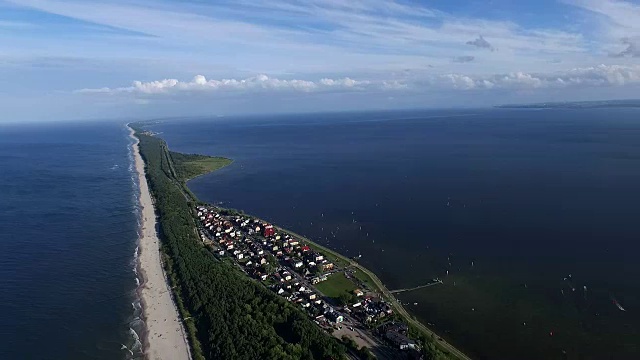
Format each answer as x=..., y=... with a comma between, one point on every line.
x=227, y=314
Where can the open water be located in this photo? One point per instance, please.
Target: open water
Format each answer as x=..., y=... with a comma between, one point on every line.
x=529, y=216
x=533, y=214
x=68, y=234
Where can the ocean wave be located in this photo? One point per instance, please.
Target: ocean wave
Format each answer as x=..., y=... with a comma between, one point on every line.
x=136, y=325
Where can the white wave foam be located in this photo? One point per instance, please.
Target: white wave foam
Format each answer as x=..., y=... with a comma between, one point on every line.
x=137, y=345
x=135, y=350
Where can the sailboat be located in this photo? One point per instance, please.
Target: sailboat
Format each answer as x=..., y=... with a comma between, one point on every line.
x=616, y=303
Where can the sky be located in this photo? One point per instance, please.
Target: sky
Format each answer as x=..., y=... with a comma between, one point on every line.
x=76, y=59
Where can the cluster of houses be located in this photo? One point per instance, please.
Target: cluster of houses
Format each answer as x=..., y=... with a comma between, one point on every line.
x=290, y=267
x=397, y=334
x=369, y=309
x=284, y=263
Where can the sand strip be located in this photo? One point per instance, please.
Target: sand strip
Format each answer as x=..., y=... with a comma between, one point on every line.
x=165, y=337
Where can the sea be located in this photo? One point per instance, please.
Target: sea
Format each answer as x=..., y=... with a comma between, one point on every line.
x=529, y=218
x=68, y=242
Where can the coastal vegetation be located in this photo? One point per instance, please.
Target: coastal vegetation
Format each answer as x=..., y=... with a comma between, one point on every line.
x=188, y=166
x=227, y=315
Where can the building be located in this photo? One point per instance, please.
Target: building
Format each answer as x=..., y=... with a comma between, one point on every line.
x=268, y=231
x=334, y=316
x=400, y=340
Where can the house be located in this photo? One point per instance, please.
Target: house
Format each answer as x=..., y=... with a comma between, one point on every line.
x=318, y=279
x=221, y=253
x=327, y=266
x=298, y=264
x=335, y=317
x=268, y=231
x=306, y=248
x=240, y=256
x=263, y=261
x=358, y=292
x=319, y=257
x=400, y=340
x=312, y=296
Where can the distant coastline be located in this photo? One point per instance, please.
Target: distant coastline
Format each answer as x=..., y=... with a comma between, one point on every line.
x=575, y=105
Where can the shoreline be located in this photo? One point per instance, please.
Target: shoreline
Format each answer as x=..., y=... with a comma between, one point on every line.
x=374, y=282
x=386, y=294
x=164, y=335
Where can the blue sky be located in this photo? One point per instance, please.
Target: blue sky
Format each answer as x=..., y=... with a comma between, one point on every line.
x=100, y=59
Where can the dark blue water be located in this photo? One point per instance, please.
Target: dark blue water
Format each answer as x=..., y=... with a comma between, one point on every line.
x=508, y=202
x=68, y=232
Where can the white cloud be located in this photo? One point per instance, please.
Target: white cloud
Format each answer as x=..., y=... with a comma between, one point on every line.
x=632, y=50
x=298, y=36
x=18, y=25
x=257, y=83
x=617, y=24
x=597, y=76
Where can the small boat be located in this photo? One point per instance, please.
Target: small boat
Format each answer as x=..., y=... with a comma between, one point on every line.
x=618, y=305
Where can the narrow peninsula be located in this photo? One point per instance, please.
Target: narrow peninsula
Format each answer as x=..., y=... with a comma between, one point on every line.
x=164, y=337
x=247, y=289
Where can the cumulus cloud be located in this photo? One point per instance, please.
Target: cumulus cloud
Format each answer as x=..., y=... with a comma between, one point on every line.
x=597, y=76
x=464, y=59
x=481, y=42
x=201, y=84
x=632, y=50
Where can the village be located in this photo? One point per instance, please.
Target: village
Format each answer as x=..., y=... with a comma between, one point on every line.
x=324, y=286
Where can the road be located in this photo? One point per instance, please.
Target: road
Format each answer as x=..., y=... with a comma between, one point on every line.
x=401, y=310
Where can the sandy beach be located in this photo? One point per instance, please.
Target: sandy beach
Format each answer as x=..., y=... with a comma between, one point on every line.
x=165, y=337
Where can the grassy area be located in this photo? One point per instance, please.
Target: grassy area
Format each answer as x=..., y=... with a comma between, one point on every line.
x=335, y=285
x=188, y=166
x=360, y=275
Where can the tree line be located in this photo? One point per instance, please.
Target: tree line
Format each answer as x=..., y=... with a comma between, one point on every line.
x=228, y=315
